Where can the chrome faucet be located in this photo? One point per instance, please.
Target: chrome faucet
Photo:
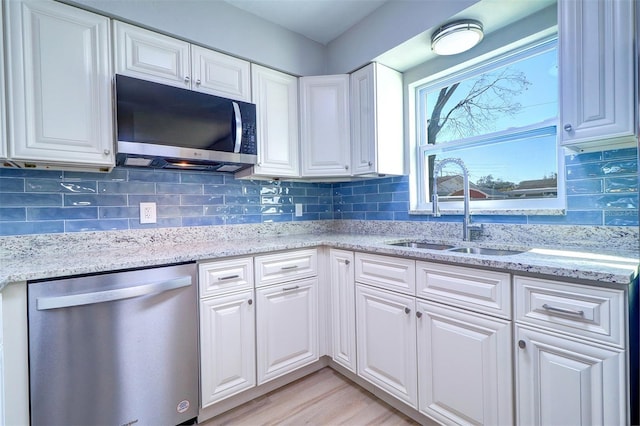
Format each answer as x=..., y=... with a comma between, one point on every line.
x=466, y=224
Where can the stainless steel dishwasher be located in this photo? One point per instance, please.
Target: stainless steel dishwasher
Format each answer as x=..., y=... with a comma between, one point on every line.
x=115, y=349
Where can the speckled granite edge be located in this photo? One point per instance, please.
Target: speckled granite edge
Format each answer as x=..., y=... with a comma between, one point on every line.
x=553, y=236
x=57, y=255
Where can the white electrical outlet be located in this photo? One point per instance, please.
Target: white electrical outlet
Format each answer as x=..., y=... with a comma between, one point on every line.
x=147, y=212
x=298, y=210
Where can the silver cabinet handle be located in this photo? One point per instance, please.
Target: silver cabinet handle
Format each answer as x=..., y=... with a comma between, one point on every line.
x=238, y=116
x=419, y=314
x=347, y=262
x=370, y=164
x=250, y=302
x=106, y=152
x=407, y=310
x=563, y=310
x=198, y=82
x=568, y=127
x=187, y=79
x=295, y=287
x=228, y=277
x=44, y=303
x=288, y=268
x=346, y=167
x=522, y=344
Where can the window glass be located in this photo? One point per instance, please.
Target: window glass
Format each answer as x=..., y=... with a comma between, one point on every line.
x=500, y=120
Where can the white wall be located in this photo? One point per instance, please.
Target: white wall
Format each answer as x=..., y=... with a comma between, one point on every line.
x=220, y=26
x=386, y=27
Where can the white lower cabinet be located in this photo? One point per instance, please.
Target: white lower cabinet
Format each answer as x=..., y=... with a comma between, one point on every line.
x=571, y=363
x=286, y=327
x=464, y=366
x=343, y=309
x=563, y=381
x=227, y=345
x=386, y=334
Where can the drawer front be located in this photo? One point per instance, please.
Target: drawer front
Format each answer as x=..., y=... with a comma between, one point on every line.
x=393, y=273
x=286, y=266
x=593, y=313
x=225, y=276
x=478, y=290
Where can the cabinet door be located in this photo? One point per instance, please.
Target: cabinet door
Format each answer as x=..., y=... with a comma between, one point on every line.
x=227, y=346
x=324, y=121
x=377, y=135
x=219, y=74
x=343, y=308
x=276, y=97
x=386, y=335
x=287, y=328
x=596, y=70
x=151, y=56
x=3, y=100
x=464, y=366
x=564, y=381
x=59, y=84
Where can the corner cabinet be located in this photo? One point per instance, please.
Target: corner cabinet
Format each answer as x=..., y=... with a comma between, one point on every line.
x=58, y=86
x=377, y=137
x=276, y=97
x=597, y=72
x=324, y=126
x=156, y=57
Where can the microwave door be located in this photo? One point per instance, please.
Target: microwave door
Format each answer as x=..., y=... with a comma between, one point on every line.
x=238, y=121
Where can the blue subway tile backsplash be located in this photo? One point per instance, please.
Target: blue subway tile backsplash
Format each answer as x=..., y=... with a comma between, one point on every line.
x=601, y=188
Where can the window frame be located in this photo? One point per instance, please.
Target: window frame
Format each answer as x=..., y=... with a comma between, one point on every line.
x=420, y=200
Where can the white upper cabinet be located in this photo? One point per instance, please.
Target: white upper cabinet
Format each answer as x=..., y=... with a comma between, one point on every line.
x=151, y=56
x=377, y=139
x=58, y=86
x=276, y=97
x=3, y=111
x=156, y=57
x=324, y=122
x=219, y=74
x=597, y=84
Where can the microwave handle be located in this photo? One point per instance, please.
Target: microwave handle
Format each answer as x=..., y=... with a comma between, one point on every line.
x=238, y=116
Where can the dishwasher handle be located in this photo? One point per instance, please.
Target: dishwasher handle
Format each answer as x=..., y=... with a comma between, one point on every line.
x=45, y=303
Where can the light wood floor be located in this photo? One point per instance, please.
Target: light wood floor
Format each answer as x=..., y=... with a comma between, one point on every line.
x=322, y=398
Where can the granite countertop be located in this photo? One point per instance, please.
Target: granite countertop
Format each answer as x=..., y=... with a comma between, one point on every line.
x=41, y=259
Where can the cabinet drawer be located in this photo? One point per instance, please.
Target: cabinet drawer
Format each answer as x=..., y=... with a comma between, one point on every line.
x=393, y=273
x=224, y=276
x=593, y=313
x=481, y=291
x=286, y=266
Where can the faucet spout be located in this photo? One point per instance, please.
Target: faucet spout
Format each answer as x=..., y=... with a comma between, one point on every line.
x=466, y=231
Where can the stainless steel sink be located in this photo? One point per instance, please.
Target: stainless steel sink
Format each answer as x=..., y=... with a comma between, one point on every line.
x=447, y=247
x=421, y=245
x=487, y=251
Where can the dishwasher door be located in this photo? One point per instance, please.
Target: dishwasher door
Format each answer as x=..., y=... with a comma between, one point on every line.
x=115, y=349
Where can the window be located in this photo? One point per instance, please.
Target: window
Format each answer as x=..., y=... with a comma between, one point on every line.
x=500, y=119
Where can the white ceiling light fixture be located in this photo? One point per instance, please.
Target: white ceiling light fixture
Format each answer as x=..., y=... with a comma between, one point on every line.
x=456, y=37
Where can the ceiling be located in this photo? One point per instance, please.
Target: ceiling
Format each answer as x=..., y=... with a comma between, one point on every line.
x=319, y=20
x=325, y=20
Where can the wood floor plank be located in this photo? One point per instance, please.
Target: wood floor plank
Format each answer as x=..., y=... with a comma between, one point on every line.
x=322, y=398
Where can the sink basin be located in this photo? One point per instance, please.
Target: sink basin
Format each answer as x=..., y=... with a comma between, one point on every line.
x=421, y=245
x=487, y=251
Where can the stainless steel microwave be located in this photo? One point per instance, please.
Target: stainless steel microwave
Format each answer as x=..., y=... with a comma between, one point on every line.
x=162, y=126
